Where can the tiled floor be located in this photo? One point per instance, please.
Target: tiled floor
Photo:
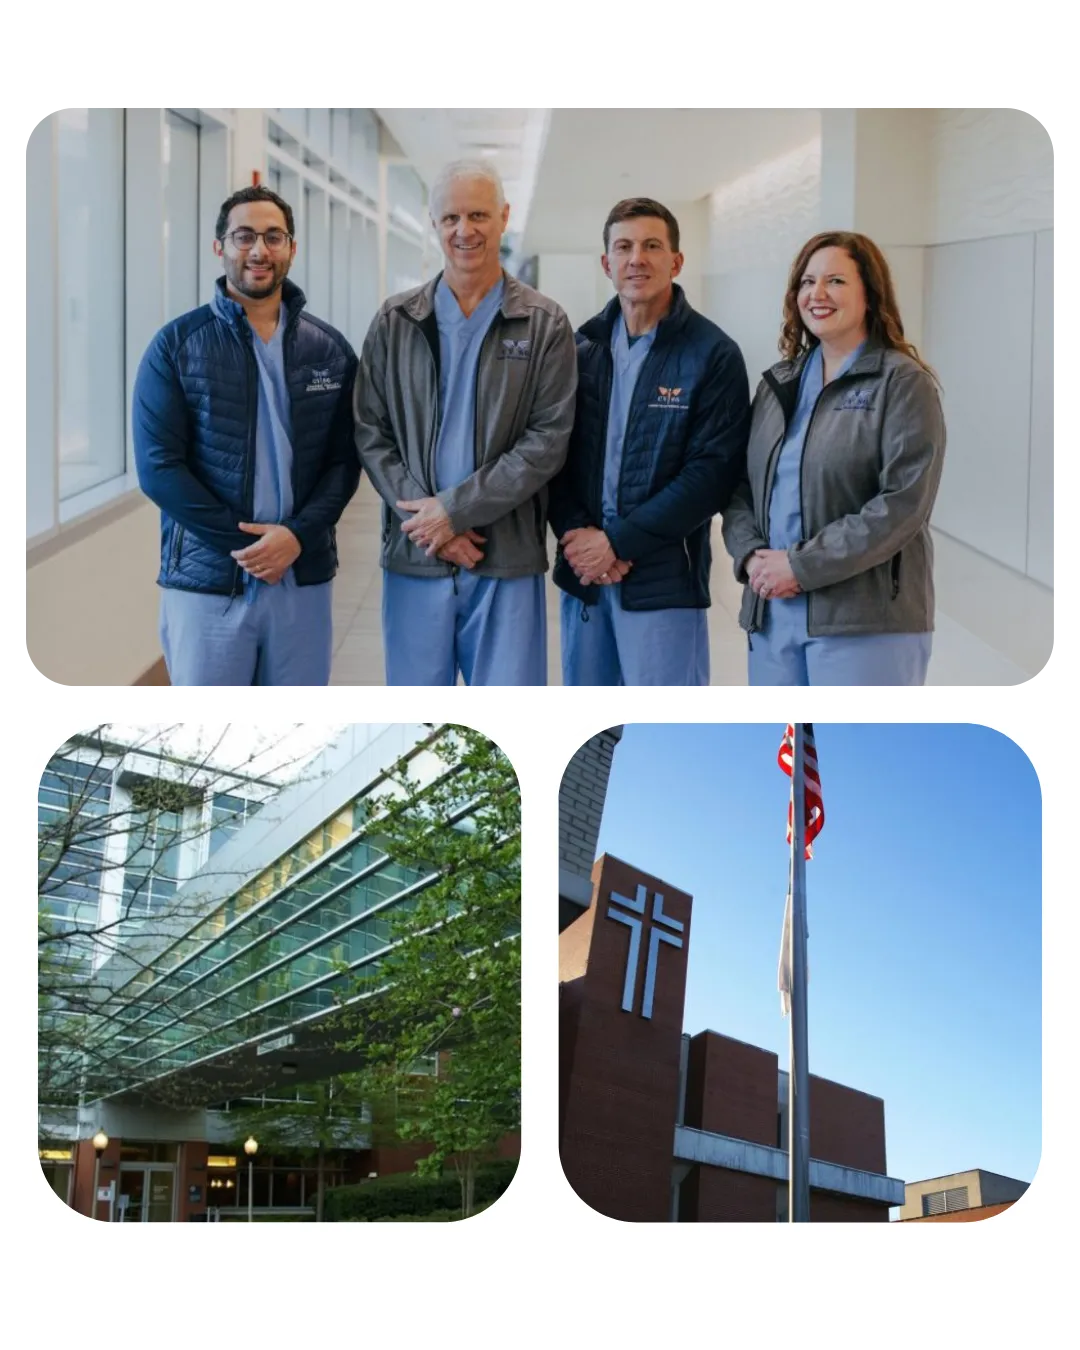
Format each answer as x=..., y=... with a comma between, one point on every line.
x=993, y=626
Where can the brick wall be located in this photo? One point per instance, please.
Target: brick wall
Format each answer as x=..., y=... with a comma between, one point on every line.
x=826, y=1208
x=619, y=1071
x=714, y=1194
x=731, y=1088
x=581, y=801
x=964, y=1215
x=846, y=1126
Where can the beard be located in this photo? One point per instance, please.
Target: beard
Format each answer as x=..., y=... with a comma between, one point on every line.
x=256, y=290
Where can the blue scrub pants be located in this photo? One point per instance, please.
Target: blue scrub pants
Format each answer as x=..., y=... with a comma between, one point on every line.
x=617, y=646
x=491, y=630
x=269, y=635
x=783, y=653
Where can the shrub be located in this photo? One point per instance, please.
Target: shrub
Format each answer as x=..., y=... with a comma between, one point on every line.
x=404, y=1195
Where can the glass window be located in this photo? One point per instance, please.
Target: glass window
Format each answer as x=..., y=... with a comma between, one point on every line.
x=151, y=870
x=228, y=816
x=90, y=262
x=180, y=149
x=59, y=1175
x=136, y=1151
x=404, y=265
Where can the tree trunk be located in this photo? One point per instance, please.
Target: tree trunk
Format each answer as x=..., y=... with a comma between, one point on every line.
x=470, y=1183
x=320, y=1184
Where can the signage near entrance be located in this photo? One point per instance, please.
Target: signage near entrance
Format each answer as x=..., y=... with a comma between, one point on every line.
x=105, y=1193
x=658, y=933
x=194, y=1195
x=277, y=1043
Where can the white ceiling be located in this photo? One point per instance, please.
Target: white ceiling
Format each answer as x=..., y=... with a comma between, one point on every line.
x=565, y=168
x=511, y=138
x=594, y=157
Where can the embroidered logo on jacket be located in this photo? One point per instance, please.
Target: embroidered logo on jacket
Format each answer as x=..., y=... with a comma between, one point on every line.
x=671, y=398
x=321, y=382
x=857, y=398
x=515, y=349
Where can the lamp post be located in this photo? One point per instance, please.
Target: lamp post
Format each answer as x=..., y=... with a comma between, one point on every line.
x=251, y=1147
x=101, y=1143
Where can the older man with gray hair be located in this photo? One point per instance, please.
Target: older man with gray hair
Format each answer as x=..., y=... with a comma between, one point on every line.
x=463, y=403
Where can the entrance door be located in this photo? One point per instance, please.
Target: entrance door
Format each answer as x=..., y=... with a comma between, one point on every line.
x=146, y=1193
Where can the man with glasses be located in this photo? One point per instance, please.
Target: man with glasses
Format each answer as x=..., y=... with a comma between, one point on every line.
x=243, y=437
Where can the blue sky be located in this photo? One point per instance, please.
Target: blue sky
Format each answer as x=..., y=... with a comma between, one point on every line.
x=924, y=914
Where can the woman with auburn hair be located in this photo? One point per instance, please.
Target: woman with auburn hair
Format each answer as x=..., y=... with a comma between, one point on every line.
x=829, y=529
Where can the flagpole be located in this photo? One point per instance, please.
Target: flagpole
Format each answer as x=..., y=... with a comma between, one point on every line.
x=799, y=1077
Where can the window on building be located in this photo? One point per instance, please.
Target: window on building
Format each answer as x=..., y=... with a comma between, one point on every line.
x=945, y=1202
x=180, y=153
x=90, y=297
x=73, y=798
x=228, y=816
x=57, y=1167
x=152, y=867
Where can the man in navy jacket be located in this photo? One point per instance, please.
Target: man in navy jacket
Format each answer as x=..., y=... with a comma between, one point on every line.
x=658, y=447
x=242, y=424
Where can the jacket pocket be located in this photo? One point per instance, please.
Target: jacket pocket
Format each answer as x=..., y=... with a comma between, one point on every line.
x=177, y=545
x=894, y=574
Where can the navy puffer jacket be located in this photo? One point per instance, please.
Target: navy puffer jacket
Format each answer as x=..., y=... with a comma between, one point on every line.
x=196, y=394
x=684, y=453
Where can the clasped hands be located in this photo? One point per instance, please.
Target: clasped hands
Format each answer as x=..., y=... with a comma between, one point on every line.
x=769, y=573
x=271, y=556
x=429, y=528
x=590, y=554
x=587, y=550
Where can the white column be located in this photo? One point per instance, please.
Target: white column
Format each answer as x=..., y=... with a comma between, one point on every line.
x=144, y=293
x=876, y=178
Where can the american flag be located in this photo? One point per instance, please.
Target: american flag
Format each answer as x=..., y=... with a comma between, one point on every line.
x=815, y=808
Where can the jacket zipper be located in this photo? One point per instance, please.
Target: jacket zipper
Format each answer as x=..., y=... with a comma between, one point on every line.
x=476, y=388
x=429, y=457
x=802, y=460
x=249, y=467
x=178, y=543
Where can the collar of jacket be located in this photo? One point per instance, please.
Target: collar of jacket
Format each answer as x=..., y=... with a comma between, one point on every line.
x=420, y=304
x=600, y=328
x=225, y=307
x=869, y=363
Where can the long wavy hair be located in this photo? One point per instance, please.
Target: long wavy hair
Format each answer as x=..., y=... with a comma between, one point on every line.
x=884, y=327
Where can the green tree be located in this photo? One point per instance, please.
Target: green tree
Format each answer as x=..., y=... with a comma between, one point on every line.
x=322, y=1118
x=441, y=1034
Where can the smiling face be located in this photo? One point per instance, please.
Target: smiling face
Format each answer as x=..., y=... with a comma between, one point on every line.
x=832, y=299
x=471, y=223
x=640, y=260
x=255, y=274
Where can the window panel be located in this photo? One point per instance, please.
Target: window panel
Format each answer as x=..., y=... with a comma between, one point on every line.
x=90, y=206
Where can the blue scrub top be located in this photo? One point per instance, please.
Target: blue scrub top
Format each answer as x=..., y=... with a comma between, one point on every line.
x=460, y=340
x=273, y=499
x=628, y=356
x=785, y=504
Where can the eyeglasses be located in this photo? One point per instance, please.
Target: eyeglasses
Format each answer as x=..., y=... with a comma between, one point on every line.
x=243, y=240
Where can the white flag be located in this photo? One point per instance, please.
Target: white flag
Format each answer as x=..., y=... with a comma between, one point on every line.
x=783, y=974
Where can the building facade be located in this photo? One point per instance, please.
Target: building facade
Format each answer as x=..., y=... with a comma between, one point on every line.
x=224, y=999
x=656, y=1125
x=960, y=1197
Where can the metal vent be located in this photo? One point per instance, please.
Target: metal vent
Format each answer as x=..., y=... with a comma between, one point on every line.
x=945, y=1202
